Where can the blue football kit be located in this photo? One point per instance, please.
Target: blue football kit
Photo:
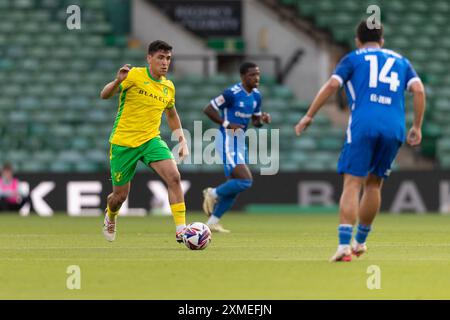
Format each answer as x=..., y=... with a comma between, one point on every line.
x=375, y=80
x=235, y=105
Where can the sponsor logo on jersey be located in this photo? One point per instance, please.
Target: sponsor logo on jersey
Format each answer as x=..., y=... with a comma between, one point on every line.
x=117, y=176
x=151, y=95
x=220, y=100
x=243, y=115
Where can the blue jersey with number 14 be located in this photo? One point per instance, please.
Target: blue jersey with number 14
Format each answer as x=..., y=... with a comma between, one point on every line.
x=375, y=80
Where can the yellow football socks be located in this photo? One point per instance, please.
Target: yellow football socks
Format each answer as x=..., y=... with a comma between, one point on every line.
x=179, y=214
x=112, y=214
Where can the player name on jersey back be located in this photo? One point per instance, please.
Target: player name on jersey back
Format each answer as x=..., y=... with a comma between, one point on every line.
x=380, y=99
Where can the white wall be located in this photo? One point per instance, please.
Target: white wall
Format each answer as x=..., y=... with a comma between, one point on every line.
x=149, y=24
x=283, y=39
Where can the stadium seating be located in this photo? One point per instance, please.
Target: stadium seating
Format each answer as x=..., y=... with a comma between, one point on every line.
x=418, y=30
x=54, y=120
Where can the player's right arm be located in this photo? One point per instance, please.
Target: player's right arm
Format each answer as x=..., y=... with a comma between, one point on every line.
x=327, y=90
x=342, y=73
x=214, y=115
x=221, y=102
x=111, y=88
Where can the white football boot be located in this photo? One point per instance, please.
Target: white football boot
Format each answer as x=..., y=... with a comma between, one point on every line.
x=358, y=248
x=342, y=255
x=179, y=235
x=215, y=227
x=208, y=202
x=109, y=228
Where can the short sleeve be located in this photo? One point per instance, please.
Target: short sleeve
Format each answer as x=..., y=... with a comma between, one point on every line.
x=411, y=75
x=257, y=110
x=129, y=80
x=171, y=103
x=344, y=70
x=225, y=100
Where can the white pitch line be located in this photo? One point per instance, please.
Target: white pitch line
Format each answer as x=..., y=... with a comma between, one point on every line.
x=400, y=246
x=212, y=259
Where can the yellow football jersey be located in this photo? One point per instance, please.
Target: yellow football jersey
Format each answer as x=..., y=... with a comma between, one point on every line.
x=142, y=101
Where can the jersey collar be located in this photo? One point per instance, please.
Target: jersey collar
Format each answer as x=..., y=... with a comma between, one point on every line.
x=243, y=89
x=150, y=76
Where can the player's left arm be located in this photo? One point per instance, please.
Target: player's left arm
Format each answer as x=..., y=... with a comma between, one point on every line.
x=419, y=101
x=414, y=85
x=259, y=118
x=328, y=89
x=174, y=122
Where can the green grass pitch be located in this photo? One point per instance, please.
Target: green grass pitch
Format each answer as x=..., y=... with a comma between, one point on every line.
x=265, y=257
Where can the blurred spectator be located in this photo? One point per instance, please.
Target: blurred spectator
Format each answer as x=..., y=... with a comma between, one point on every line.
x=11, y=198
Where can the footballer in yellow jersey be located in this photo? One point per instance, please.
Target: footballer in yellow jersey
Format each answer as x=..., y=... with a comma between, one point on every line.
x=145, y=94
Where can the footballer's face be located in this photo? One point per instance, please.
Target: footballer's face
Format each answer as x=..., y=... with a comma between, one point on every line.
x=7, y=174
x=251, y=78
x=159, y=62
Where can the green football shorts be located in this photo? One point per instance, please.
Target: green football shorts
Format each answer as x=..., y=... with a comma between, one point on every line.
x=124, y=160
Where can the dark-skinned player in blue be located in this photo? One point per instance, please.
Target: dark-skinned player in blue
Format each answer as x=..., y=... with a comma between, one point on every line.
x=232, y=110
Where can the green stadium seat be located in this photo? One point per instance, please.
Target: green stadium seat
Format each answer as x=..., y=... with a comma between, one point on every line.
x=443, y=146
x=87, y=167
x=6, y=103
x=274, y=104
x=63, y=131
x=29, y=102
x=52, y=103
x=267, y=79
x=53, y=65
x=219, y=80
x=86, y=130
x=185, y=92
x=80, y=143
x=305, y=143
x=332, y=143
x=62, y=90
x=31, y=27
x=38, y=53
x=33, y=166
x=321, y=120
x=38, y=90
x=282, y=92
x=19, y=116
x=313, y=166
x=97, y=155
x=61, y=166
x=15, y=156
x=289, y=166
x=6, y=64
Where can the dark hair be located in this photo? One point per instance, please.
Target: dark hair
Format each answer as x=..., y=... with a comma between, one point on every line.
x=364, y=34
x=7, y=166
x=243, y=69
x=158, y=45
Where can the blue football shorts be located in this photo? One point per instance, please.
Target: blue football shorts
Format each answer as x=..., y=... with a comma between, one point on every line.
x=368, y=153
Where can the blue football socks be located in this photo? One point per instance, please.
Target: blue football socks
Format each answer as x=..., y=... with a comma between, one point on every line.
x=362, y=232
x=345, y=234
x=227, y=194
x=233, y=186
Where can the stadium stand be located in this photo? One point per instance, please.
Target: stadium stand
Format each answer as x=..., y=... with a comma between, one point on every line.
x=428, y=52
x=54, y=119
